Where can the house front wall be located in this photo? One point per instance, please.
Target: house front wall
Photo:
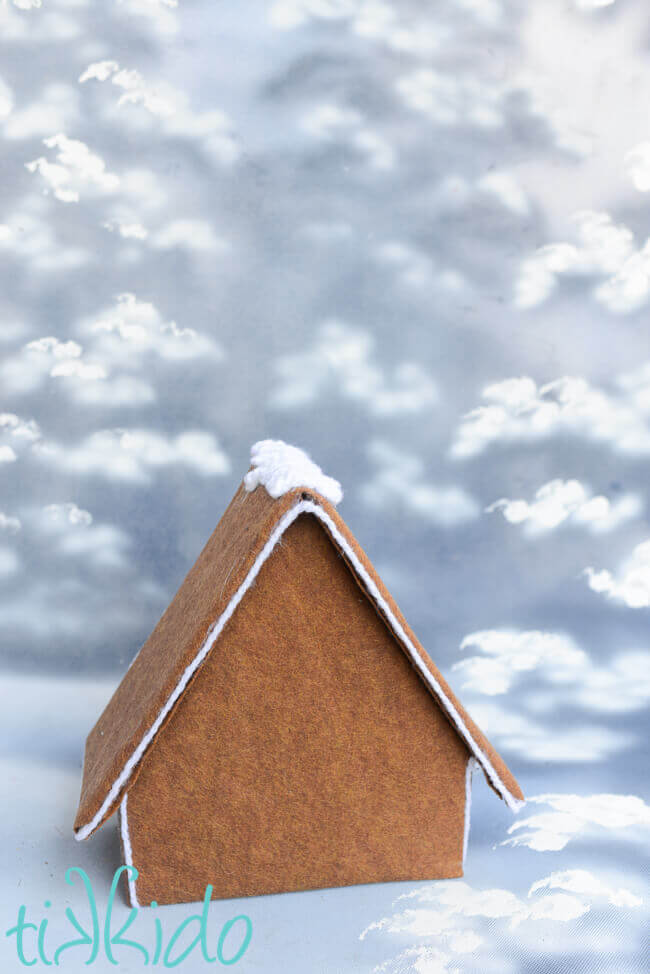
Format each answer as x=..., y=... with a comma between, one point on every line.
x=306, y=753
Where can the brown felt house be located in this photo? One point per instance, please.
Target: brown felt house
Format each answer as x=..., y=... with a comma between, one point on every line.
x=282, y=728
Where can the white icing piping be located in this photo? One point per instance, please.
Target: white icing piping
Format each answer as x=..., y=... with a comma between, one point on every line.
x=282, y=525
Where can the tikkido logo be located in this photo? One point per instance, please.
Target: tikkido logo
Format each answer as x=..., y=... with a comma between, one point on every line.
x=32, y=941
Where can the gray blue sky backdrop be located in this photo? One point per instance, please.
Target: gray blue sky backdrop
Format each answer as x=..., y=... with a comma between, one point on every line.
x=411, y=238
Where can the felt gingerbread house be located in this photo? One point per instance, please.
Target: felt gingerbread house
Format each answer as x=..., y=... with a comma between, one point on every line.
x=282, y=728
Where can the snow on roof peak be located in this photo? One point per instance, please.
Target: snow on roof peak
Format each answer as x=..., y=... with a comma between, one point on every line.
x=279, y=467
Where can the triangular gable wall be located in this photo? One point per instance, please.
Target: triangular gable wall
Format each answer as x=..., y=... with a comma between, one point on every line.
x=224, y=572
x=307, y=753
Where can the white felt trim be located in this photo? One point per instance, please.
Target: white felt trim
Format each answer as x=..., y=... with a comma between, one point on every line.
x=128, y=851
x=285, y=521
x=469, y=771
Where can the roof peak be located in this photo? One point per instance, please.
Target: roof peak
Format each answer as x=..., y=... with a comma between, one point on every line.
x=280, y=467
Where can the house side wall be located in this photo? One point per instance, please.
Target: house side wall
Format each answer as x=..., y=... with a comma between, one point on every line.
x=305, y=754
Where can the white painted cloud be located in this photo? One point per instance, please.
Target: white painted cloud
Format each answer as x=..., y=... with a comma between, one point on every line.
x=453, y=99
x=56, y=108
x=196, y=235
x=406, y=31
x=583, y=882
x=603, y=250
x=287, y=14
x=331, y=122
x=85, y=379
x=102, y=545
x=70, y=531
x=169, y=108
x=75, y=171
x=458, y=919
x=637, y=164
x=632, y=583
x=488, y=12
x=622, y=685
x=66, y=514
x=159, y=14
x=507, y=190
x=212, y=129
x=6, y=100
x=129, y=231
x=157, y=99
x=564, y=674
x=416, y=269
x=592, y=4
x=343, y=357
x=122, y=391
x=442, y=906
x=9, y=563
x=77, y=369
x=567, y=502
x=326, y=120
x=571, y=816
x=511, y=652
x=31, y=237
x=636, y=387
x=110, y=369
x=132, y=455
x=48, y=26
x=16, y=435
x=8, y=524
x=399, y=480
x=514, y=732
x=66, y=604
x=57, y=349
x=517, y=411
x=628, y=289
x=7, y=453
x=26, y=430
x=64, y=359
x=47, y=357
x=131, y=329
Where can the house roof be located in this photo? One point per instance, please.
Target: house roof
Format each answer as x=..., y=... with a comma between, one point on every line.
x=226, y=568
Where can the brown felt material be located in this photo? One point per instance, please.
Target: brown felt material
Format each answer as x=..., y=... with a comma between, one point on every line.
x=307, y=753
x=306, y=750
x=206, y=591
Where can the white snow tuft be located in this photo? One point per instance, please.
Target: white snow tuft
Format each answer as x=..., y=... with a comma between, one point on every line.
x=279, y=467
